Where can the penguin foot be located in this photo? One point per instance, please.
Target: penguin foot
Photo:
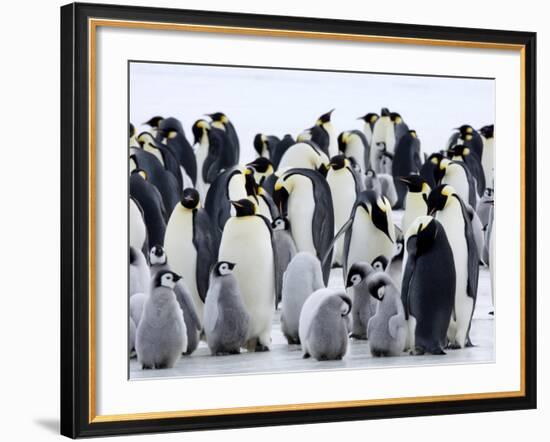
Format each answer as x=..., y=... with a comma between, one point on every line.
x=261, y=347
x=146, y=367
x=292, y=340
x=453, y=346
x=492, y=313
x=438, y=351
x=358, y=336
x=469, y=343
x=418, y=351
x=306, y=356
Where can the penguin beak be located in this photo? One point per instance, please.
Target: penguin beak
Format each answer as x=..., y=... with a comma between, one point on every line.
x=404, y=180
x=231, y=265
x=236, y=204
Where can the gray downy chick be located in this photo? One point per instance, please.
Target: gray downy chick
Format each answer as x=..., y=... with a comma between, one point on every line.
x=226, y=320
x=190, y=316
x=303, y=276
x=161, y=335
x=364, y=306
x=324, y=325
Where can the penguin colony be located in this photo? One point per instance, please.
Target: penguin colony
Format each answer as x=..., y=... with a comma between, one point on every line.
x=217, y=247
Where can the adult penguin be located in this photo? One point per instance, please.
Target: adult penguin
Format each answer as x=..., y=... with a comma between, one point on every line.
x=369, y=120
x=304, y=197
x=257, y=194
x=153, y=123
x=428, y=286
x=430, y=169
x=449, y=209
x=488, y=159
x=163, y=180
x=214, y=154
x=468, y=136
x=415, y=200
x=174, y=137
x=265, y=145
x=149, y=199
x=303, y=155
x=460, y=152
x=262, y=169
x=228, y=186
x=383, y=137
x=353, y=144
x=324, y=122
x=406, y=161
x=369, y=232
x=317, y=135
x=191, y=245
x=221, y=121
x=457, y=175
x=345, y=185
x=280, y=149
x=247, y=242
x=164, y=155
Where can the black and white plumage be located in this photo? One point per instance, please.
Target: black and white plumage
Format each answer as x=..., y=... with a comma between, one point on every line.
x=158, y=261
x=460, y=152
x=285, y=249
x=162, y=153
x=304, y=197
x=363, y=307
x=221, y=121
x=468, y=136
x=406, y=161
x=280, y=149
x=318, y=136
x=353, y=144
x=369, y=119
x=174, y=137
x=304, y=155
x=430, y=169
x=265, y=145
x=457, y=175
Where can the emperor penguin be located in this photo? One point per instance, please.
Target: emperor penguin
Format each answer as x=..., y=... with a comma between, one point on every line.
x=304, y=155
x=324, y=122
x=353, y=144
x=139, y=276
x=369, y=232
x=449, y=209
x=191, y=245
x=488, y=159
x=162, y=153
x=304, y=197
x=262, y=167
x=166, y=183
x=415, y=199
x=460, y=152
x=153, y=123
x=428, y=286
x=174, y=137
x=470, y=137
x=430, y=169
x=280, y=150
x=363, y=307
x=226, y=319
x=257, y=194
x=221, y=121
x=317, y=135
x=303, y=276
x=368, y=127
x=265, y=145
x=149, y=199
x=161, y=335
x=193, y=323
x=345, y=185
x=285, y=250
x=324, y=325
x=137, y=228
x=406, y=161
x=484, y=206
x=387, y=328
x=247, y=242
x=132, y=136
x=158, y=260
x=457, y=175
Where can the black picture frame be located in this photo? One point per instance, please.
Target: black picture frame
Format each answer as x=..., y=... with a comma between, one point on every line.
x=75, y=220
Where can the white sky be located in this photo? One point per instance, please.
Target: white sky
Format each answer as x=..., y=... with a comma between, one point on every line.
x=276, y=101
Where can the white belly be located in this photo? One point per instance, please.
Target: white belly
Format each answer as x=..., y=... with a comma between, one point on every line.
x=356, y=150
x=181, y=252
x=300, y=155
x=457, y=179
x=201, y=153
x=301, y=207
x=246, y=241
x=415, y=206
x=488, y=162
x=342, y=187
x=137, y=227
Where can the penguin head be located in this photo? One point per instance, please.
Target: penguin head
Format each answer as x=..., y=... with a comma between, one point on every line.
x=377, y=288
x=439, y=197
x=343, y=139
x=370, y=118
x=262, y=166
x=281, y=194
x=169, y=126
x=385, y=112
x=281, y=223
x=154, y=122
x=250, y=184
x=339, y=162
x=132, y=130
x=396, y=118
x=424, y=229
x=140, y=172
x=458, y=150
x=166, y=278
x=379, y=210
x=157, y=255
x=370, y=173
x=488, y=131
x=325, y=118
x=223, y=268
x=200, y=127
x=380, y=263
x=219, y=117
x=259, y=143
x=358, y=272
x=244, y=207
x=465, y=130
x=145, y=138
x=413, y=133
x=415, y=183
x=190, y=198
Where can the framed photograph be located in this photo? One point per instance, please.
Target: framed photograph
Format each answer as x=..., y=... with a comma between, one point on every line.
x=273, y=220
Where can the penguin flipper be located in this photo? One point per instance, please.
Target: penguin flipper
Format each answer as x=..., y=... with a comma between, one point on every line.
x=395, y=324
x=408, y=275
x=342, y=230
x=206, y=243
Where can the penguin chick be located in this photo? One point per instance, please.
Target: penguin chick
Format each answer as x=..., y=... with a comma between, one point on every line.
x=226, y=320
x=302, y=277
x=139, y=273
x=387, y=329
x=161, y=335
x=285, y=250
x=158, y=260
x=324, y=325
x=363, y=307
x=190, y=316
